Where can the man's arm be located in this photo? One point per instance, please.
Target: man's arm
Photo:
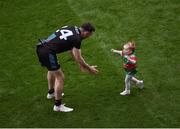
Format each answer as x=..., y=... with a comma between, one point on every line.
x=71, y=53
x=76, y=53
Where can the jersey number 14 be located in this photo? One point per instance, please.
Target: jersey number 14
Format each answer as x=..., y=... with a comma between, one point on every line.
x=65, y=34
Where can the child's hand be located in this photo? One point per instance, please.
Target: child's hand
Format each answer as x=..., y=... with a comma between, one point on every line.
x=117, y=52
x=112, y=50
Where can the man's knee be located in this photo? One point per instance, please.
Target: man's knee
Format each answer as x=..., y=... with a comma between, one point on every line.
x=59, y=75
x=50, y=74
x=62, y=75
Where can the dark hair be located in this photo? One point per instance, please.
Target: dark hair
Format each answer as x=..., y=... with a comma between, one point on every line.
x=88, y=27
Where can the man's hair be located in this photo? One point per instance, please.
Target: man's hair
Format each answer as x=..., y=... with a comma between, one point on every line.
x=88, y=27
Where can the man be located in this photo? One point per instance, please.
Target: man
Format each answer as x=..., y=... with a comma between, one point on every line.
x=67, y=38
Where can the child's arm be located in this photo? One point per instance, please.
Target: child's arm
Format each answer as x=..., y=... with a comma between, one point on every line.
x=116, y=51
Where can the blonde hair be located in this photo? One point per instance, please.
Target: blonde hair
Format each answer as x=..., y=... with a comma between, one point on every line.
x=130, y=45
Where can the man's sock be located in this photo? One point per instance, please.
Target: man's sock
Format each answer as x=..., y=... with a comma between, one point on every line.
x=51, y=91
x=57, y=102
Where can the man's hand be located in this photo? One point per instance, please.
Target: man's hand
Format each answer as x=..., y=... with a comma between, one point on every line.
x=83, y=65
x=93, y=69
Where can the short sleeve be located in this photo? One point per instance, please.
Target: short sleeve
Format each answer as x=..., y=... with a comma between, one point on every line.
x=77, y=43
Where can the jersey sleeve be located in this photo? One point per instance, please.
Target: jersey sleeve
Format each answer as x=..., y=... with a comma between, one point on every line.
x=77, y=43
x=133, y=59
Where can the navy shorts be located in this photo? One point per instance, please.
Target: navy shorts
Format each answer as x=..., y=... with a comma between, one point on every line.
x=47, y=58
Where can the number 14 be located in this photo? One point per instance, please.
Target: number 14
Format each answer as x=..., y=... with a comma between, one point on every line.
x=65, y=34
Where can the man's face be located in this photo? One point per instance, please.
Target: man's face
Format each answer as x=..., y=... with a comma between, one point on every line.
x=86, y=34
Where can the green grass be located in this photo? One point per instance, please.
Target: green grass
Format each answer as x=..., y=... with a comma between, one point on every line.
x=153, y=24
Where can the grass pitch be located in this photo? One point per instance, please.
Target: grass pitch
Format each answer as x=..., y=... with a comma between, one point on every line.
x=153, y=24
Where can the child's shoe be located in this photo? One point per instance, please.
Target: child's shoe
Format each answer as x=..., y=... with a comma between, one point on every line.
x=125, y=92
x=140, y=84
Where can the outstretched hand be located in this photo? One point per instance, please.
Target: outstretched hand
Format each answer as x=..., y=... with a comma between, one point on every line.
x=112, y=50
x=93, y=69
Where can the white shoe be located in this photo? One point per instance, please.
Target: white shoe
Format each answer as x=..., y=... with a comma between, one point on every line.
x=62, y=94
x=50, y=96
x=62, y=108
x=125, y=92
x=140, y=84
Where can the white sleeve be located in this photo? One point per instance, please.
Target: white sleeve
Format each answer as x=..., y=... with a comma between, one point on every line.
x=118, y=52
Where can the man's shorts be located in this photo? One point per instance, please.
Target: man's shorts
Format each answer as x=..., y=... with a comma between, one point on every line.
x=47, y=58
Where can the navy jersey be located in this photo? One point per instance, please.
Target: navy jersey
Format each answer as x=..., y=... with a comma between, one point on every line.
x=64, y=39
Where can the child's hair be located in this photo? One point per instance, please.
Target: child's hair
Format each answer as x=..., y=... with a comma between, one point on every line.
x=132, y=45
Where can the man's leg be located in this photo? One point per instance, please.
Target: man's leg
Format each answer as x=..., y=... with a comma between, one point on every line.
x=51, y=80
x=51, y=83
x=59, y=84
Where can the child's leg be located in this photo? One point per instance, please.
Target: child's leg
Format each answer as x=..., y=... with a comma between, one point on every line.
x=127, y=82
x=135, y=80
x=139, y=83
x=127, y=85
